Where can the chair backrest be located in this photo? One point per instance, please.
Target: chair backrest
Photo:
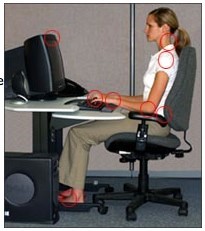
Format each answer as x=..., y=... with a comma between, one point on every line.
x=179, y=100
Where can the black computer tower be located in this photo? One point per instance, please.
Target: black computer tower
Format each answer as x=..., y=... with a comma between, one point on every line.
x=31, y=188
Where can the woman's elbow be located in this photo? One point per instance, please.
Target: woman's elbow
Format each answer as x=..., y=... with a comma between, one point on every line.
x=148, y=107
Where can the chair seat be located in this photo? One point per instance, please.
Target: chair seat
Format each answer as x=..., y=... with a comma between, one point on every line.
x=155, y=144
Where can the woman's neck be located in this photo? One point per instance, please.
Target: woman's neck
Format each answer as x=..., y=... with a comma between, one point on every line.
x=164, y=41
x=162, y=45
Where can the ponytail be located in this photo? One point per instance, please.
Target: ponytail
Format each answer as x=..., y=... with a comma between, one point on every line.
x=182, y=40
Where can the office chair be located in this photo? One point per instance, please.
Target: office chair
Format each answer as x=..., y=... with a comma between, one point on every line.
x=143, y=147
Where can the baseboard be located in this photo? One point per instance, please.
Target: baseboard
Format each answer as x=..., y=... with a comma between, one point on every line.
x=160, y=174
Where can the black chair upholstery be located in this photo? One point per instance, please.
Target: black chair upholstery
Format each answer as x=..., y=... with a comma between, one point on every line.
x=143, y=147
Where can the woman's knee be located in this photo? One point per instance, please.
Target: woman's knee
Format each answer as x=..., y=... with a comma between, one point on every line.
x=86, y=137
x=76, y=132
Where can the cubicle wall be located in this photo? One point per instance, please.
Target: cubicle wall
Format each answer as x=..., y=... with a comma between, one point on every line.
x=94, y=41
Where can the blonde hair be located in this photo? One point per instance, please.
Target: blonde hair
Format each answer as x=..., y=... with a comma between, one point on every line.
x=167, y=16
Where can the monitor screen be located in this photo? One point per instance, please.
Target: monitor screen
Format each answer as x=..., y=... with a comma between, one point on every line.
x=44, y=65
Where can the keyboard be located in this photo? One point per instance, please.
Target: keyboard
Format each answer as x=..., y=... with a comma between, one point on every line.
x=98, y=106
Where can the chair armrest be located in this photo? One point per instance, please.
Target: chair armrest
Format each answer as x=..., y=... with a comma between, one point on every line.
x=148, y=117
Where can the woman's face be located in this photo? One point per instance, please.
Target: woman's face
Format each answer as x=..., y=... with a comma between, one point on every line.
x=152, y=30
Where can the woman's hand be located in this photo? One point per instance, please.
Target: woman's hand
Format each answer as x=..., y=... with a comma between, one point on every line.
x=97, y=97
x=110, y=98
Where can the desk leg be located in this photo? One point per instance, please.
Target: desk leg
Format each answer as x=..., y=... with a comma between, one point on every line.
x=56, y=145
x=45, y=138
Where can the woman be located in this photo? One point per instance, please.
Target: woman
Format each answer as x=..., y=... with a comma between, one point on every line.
x=161, y=27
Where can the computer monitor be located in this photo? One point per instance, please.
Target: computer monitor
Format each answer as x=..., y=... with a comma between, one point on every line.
x=44, y=66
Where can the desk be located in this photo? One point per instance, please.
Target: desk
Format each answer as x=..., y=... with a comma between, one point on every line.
x=50, y=117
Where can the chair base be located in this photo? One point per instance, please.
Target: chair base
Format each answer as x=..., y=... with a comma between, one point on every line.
x=169, y=196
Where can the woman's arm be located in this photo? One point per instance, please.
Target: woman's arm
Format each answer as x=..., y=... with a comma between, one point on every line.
x=136, y=103
x=138, y=98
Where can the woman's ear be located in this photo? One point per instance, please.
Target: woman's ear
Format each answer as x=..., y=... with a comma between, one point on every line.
x=165, y=28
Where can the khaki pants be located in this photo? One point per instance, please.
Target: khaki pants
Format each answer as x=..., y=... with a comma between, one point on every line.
x=74, y=158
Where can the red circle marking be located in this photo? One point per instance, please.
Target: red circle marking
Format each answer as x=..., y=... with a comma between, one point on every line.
x=162, y=65
x=92, y=94
x=57, y=35
x=112, y=106
x=71, y=204
x=141, y=109
x=170, y=112
x=171, y=35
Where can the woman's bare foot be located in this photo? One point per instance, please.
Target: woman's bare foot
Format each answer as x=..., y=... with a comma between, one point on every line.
x=64, y=194
x=75, y=196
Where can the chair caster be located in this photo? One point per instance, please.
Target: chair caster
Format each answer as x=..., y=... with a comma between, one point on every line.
x=183, y=210
x=130, y=214
x=102, y=209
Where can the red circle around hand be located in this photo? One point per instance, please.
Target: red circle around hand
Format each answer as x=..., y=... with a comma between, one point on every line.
x=92, y=94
